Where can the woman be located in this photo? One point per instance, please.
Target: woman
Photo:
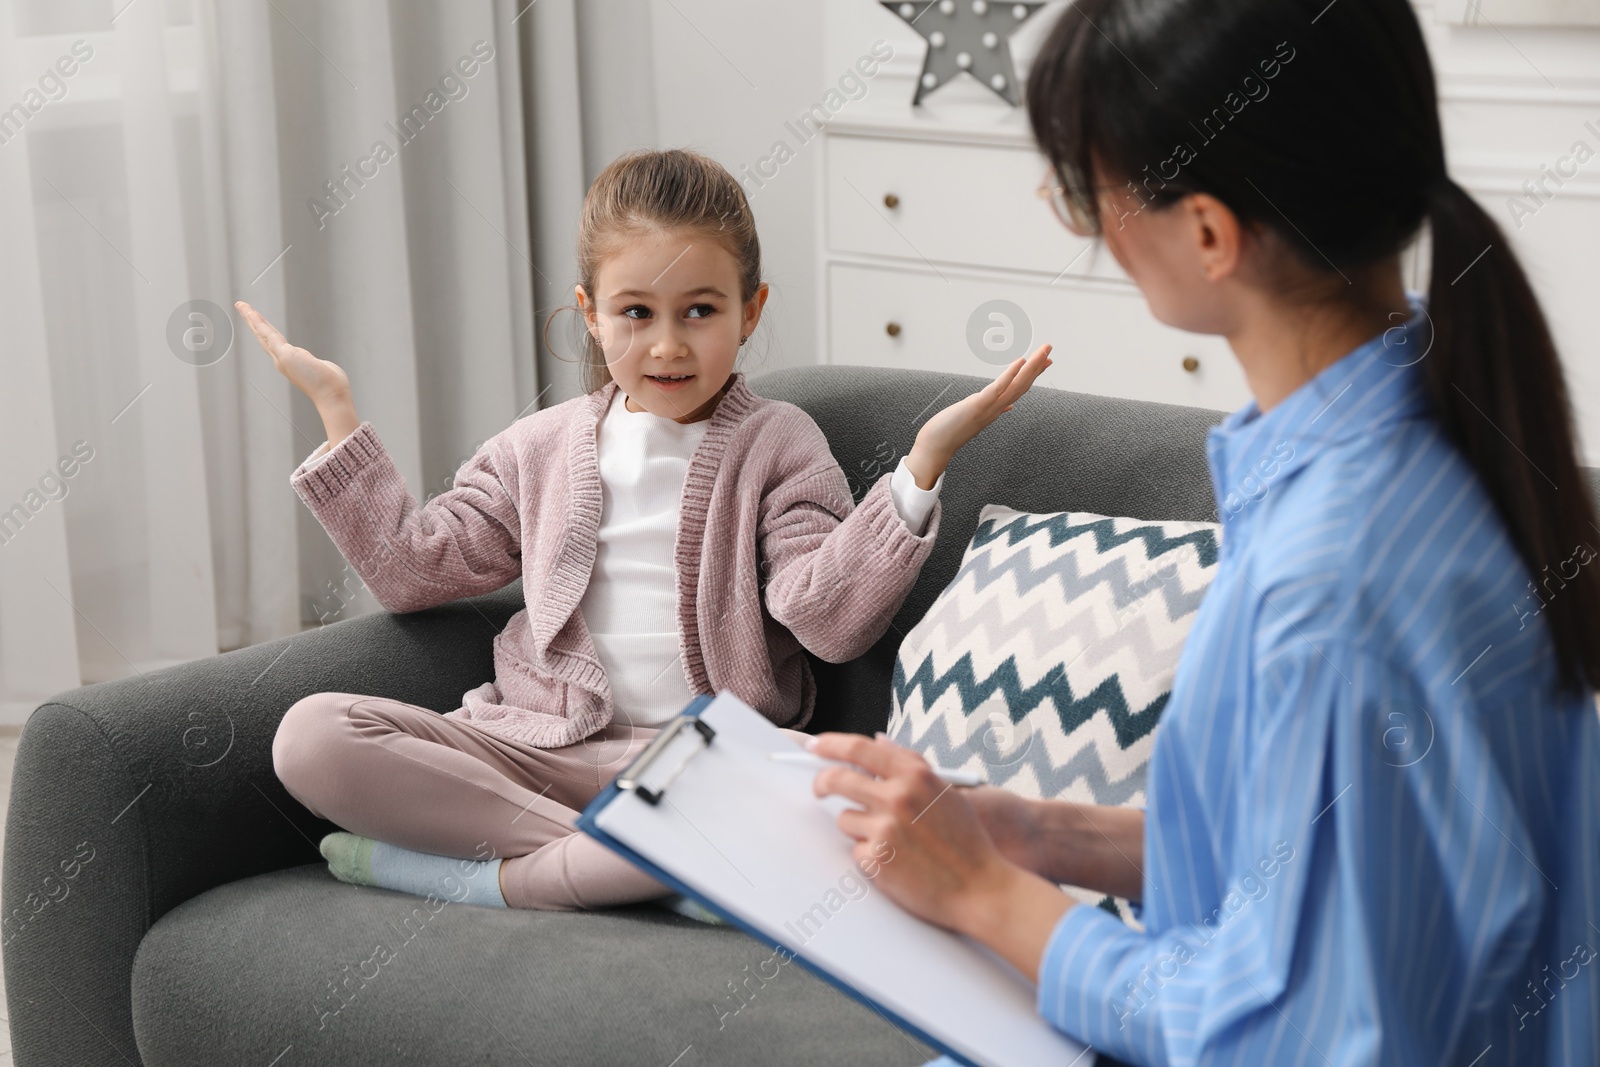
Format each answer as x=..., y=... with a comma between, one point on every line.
x=1373, y=823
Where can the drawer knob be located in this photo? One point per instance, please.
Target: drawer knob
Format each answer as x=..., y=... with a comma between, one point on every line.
x=890, y=200
x=1191, y=364
x=893, y=329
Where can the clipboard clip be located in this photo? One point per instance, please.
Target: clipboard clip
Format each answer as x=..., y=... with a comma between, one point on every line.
x=633, y=777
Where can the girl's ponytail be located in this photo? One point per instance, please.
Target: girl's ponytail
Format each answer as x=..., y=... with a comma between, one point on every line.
x=1500, y=394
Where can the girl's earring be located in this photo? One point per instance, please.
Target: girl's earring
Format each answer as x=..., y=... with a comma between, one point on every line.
x=742, y=339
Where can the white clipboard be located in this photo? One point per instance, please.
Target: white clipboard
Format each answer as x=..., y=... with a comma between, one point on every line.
x=705, y=811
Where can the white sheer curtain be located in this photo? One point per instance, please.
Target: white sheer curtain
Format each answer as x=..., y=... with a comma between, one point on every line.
x=213, y=150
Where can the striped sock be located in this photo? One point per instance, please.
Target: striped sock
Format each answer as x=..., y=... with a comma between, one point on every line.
x=363, y=861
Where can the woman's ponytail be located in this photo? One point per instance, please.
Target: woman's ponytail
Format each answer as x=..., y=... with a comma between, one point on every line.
x=1500, y=395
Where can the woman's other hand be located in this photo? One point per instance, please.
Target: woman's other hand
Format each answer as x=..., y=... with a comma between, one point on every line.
x=1010, y=822
x=1093, y=846
x=940, y=864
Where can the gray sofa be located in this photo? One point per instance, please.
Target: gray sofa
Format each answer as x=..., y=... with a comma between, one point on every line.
x=168, y=905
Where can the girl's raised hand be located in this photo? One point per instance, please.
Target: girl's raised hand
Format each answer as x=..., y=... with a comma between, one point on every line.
x=942, y=436
x=325, y=383
x=960, y=422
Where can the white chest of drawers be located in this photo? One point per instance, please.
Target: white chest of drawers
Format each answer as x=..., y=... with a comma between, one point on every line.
x=928, y=214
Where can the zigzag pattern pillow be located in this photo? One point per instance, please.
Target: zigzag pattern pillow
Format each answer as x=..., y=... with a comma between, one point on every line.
x=1047, y=661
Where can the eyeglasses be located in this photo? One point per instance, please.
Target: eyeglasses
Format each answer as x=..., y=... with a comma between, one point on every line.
x=1069, y=209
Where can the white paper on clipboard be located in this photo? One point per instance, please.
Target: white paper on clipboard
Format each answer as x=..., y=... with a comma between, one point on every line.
x=748, y=836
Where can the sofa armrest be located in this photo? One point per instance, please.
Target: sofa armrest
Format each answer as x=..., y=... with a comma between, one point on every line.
x=130, y=797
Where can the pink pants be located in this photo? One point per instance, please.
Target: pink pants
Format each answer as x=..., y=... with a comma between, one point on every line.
x=411, y=777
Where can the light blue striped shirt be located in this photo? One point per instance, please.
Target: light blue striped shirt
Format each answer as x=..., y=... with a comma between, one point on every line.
x=1373, y=824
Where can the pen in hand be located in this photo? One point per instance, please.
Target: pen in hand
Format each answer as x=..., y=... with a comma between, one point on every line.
x=954, y=777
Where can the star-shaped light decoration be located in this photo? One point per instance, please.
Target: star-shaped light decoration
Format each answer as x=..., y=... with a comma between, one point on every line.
x=966, y=35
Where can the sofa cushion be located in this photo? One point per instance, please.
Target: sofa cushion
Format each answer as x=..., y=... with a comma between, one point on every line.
x=347, y=974
x=1046, y=662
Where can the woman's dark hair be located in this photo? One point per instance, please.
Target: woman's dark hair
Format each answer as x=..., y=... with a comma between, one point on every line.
x=1320, y=121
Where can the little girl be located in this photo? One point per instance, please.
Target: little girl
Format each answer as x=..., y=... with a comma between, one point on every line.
x=676, y=534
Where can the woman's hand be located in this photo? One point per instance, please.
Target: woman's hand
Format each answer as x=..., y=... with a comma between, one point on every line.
x=325, y=383
x=941, y=866
x=1010, y=822
x=1089, y=845
x=942, y=436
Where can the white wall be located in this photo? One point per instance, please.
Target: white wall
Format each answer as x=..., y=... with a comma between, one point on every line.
x=1513, y=100
x=721, y=77
x=729, y=74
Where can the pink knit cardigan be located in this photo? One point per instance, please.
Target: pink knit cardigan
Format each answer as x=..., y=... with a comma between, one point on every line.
x=772, y=554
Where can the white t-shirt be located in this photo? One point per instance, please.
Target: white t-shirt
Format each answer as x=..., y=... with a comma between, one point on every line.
x=631, y=603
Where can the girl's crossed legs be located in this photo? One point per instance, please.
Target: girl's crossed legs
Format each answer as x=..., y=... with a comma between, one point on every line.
x=410, y=777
